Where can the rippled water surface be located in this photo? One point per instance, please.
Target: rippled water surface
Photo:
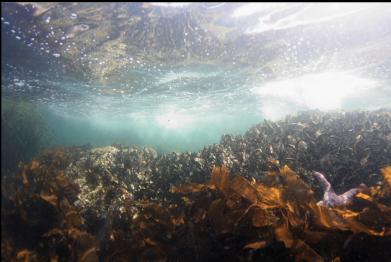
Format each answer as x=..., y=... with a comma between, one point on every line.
x=177, y=76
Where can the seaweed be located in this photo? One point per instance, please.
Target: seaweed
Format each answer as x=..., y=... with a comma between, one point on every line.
x=227, y=218
x=286, y=211
x=118, y=203
x=38, y=219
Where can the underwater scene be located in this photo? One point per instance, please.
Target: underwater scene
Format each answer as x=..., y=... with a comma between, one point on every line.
x=173, y=131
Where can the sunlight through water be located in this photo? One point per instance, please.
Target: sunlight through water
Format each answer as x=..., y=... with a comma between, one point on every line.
x=324, y=91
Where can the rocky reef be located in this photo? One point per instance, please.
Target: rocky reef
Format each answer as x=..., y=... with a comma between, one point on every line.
x=119, y=203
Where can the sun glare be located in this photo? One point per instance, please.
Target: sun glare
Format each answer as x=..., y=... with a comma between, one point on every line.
x=324, y=91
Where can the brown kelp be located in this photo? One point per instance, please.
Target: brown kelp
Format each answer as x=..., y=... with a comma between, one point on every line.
x=38, y=211
x=285, y=210
x=120, y=203
x=228, y=218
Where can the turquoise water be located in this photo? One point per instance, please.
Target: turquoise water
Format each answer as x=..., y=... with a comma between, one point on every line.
x=181, y=109
x=100, y=131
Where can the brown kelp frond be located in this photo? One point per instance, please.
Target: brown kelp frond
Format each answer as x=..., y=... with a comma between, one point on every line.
x=387, y=176
x=41, y=213
x=227, y=218
x=289, y=210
